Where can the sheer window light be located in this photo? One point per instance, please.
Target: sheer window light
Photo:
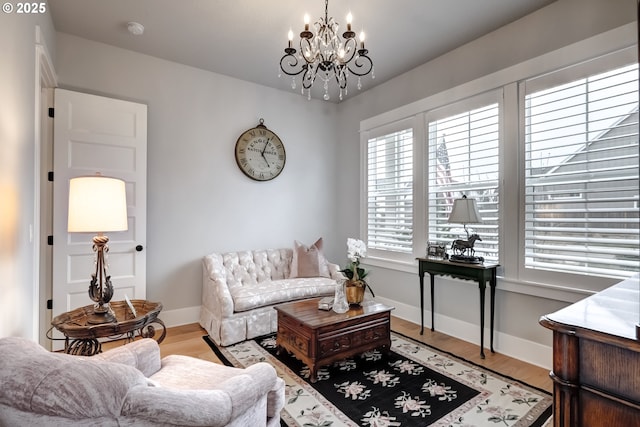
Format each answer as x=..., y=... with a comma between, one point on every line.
x=390, y=192
x=464, y=160
x=581, y=175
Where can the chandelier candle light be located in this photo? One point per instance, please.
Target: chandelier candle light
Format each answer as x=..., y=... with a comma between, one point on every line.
x=325, y=55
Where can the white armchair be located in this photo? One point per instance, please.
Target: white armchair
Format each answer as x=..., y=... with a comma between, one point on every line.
x=131, y=385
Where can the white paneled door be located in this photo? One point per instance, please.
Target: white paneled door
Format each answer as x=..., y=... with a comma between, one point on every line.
x=94, y=134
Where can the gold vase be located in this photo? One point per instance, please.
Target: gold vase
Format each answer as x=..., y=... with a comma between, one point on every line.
x=354, y=292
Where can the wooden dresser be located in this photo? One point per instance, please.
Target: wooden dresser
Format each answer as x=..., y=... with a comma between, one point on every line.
x=596, y=359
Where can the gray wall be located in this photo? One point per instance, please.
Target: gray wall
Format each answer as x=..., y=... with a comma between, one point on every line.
x=198, y=200
x=18, y=276
x=557, y=25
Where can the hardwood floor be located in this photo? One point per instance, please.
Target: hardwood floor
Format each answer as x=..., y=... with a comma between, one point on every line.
x=188, y=340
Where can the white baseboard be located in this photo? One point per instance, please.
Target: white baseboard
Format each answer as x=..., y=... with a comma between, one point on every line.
x=180, y=316
x=527, y=351
x=512, y=346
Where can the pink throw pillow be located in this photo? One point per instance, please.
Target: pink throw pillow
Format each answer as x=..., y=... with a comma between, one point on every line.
x=309, y=261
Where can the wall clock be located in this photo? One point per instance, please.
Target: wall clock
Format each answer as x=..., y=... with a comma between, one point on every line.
x=260, y=153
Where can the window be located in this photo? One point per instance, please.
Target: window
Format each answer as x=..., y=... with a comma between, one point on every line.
x=581, y=172
x=390, y=191
x=464, y=160
x=548, y=148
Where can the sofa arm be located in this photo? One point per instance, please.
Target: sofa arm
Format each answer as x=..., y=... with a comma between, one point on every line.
x=247, y=389
x=165, y=406
x=276, y=401
x=143, y=355
x=334, y=271
x=230, y=399
x=215, y=291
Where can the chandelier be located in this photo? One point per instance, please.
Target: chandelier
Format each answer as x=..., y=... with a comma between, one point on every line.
x=326, y=56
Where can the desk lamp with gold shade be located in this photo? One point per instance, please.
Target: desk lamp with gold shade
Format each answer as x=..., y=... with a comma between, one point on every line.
x=98, y=204
x=465, y=211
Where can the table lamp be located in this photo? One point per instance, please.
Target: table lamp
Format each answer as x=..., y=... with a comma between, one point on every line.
x=465, y=211
x=98, y=204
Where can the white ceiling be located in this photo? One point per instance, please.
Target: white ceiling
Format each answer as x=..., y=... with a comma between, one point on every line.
x=246, y=38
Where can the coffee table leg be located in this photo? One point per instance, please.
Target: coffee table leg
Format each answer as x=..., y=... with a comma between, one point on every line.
x=313, y=373
x=386, y=349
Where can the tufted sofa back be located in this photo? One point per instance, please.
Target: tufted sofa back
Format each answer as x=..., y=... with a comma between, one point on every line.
x=252, y=267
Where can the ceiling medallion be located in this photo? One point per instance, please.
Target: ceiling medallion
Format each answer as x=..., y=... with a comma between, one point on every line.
x=326, y=56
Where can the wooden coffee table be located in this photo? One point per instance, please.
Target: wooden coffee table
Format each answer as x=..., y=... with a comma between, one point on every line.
x=319, y=337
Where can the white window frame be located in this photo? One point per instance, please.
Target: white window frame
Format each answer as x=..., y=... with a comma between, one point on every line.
x=377, y=256
x=613, y=60
x=462, y=106
x=512, y=277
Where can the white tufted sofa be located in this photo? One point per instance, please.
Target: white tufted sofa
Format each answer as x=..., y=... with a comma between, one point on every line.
x=239, y=291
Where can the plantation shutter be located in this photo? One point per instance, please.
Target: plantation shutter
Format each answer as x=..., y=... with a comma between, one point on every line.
x=390, y=191
x=581, y=174
x=464, y=160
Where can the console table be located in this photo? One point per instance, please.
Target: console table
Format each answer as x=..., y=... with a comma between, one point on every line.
x=596, y=359
x=81, y=337
x=481, y=273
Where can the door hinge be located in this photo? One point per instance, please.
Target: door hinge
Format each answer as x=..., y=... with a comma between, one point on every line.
x=51, y=112
x=50, y=176
x=50, y=240
x=49, y=304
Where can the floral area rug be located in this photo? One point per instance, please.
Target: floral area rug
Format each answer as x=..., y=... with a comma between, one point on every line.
x=412, y=385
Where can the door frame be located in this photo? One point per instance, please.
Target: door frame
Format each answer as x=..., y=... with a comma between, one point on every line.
x=96, y=133
x=45, y=81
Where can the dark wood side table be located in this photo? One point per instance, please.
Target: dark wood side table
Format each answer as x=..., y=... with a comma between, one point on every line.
x=318, y=337
x=481, y=273
x=81, y=337
x=596, y=359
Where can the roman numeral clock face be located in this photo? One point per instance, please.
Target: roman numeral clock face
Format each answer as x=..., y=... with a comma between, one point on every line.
x=260, y=153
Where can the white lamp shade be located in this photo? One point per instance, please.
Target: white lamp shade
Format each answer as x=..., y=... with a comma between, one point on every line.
x=97, y=204
x=465, y=211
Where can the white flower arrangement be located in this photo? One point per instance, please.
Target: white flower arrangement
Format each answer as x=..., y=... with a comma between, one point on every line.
x=356, y=250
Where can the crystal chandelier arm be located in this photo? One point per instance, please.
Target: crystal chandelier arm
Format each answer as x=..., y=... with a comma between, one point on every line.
x=363, y=64
x=306, y=45
x=349, y=51
x=341, y=76
x=289, y=64
x=309, y=76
